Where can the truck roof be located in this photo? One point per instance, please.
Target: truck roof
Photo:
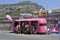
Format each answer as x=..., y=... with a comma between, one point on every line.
x=41, y=20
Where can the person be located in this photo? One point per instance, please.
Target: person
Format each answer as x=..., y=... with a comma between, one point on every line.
x=59, y=27
x=22, y=29
x=33, y=29
x=18, y=27
x=26, y=29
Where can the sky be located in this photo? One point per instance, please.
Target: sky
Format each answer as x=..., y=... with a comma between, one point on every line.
x=47, y=4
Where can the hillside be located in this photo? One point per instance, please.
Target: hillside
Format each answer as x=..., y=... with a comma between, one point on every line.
x=20, y=7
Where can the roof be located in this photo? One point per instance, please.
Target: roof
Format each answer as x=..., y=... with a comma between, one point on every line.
x=41, y=20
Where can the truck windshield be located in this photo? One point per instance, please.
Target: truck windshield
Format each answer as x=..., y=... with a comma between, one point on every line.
x=42, y=24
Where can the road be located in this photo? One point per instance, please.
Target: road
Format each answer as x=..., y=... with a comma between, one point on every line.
x=6, y=35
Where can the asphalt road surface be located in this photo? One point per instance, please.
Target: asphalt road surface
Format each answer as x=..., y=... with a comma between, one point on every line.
x=6, y=35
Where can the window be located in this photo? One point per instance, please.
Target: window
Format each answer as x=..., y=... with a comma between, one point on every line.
x=23, y=23
x=16, y=23
x=42, y=24
x=34, y=23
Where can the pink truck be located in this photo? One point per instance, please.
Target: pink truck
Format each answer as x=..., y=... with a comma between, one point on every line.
x=40, y=24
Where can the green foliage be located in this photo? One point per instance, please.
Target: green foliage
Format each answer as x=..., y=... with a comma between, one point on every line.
x=15, y=13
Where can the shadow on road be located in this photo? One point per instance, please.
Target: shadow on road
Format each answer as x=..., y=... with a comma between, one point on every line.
x=30, y=34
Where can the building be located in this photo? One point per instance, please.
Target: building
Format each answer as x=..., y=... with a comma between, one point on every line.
x=56, y=11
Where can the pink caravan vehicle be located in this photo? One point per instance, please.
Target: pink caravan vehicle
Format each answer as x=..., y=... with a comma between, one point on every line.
x=39, y=24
